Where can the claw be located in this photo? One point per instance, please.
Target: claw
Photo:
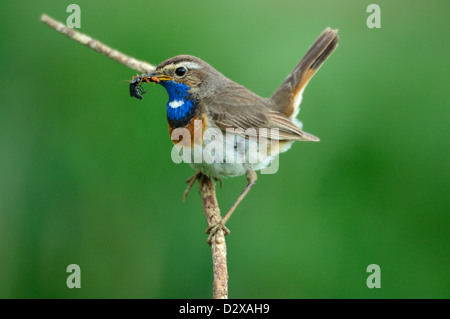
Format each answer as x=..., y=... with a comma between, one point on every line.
x=218, y=179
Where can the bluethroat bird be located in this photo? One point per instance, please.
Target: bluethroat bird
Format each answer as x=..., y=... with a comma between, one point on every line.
x=198, y=93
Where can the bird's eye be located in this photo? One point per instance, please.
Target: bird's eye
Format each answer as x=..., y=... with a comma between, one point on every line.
x=180, y=71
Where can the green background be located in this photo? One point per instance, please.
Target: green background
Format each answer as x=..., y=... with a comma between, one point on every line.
x=86, y=175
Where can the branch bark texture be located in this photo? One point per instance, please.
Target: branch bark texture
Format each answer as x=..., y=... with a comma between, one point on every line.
x=132, y=63
x=218, y=245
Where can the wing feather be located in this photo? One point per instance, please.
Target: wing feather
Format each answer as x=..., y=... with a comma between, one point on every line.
x=237, y=108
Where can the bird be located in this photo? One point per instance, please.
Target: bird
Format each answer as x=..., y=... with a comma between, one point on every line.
x=202, y=99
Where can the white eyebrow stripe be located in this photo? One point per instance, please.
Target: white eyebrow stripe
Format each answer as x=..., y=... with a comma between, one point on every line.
x=176, y=103
x=192, y=65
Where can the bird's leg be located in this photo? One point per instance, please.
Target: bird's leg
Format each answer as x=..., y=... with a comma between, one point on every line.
x=191, y=181
x=251, y=180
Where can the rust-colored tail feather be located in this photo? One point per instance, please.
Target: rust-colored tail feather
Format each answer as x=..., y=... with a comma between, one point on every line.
x=288, y=96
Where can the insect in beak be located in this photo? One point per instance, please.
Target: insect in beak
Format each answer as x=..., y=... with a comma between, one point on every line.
x=136, y=89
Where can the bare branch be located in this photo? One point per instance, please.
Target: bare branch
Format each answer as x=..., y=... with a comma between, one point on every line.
x=118, y=56
x=218, y=245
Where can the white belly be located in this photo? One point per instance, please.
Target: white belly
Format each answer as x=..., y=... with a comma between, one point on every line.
x=222, y=158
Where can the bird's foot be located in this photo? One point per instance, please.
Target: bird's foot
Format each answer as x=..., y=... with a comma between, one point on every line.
x=191, y=181
x=213, y=229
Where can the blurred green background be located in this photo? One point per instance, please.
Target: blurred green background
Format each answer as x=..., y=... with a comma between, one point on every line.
x=86, y=175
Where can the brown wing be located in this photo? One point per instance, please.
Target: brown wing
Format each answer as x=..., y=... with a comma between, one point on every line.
x=236, y=107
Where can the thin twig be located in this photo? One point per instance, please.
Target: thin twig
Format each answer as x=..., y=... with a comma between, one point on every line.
x=218, y=245
x=132, y=63
x=207, y=186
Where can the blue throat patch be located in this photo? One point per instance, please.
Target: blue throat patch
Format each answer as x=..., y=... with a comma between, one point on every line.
x=180, y=108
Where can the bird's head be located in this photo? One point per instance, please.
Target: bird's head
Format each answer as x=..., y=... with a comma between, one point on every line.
x=186, y=76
